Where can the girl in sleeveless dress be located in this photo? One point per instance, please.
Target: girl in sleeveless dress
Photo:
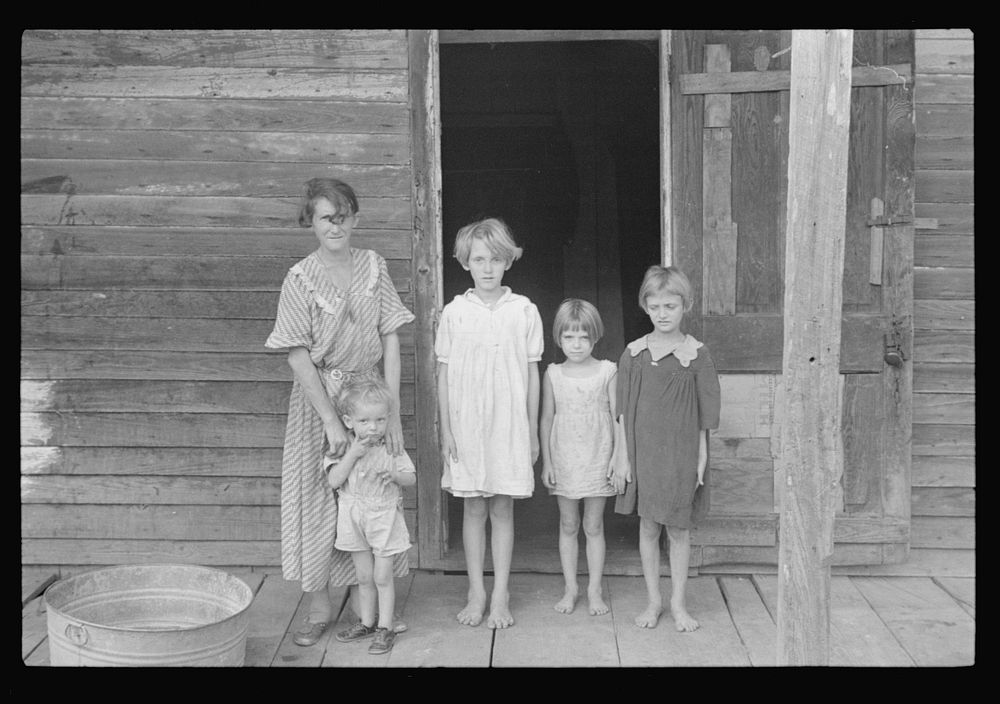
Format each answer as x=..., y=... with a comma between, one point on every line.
x=577, y=441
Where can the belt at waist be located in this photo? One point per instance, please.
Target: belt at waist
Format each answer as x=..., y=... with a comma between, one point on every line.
x=342, y=375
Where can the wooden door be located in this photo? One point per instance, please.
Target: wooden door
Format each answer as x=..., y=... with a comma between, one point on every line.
x=729, y=128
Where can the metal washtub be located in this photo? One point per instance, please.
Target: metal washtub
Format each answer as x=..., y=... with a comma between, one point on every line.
x=148, y=615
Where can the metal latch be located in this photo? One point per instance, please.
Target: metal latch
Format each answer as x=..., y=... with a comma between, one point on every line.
x=893, y=351
x=888, y=221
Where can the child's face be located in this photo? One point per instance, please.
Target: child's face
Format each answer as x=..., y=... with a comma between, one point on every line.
x=333, y=230
x=665, y=311
x=487, y=268
x=576, y=344
x=368, y=420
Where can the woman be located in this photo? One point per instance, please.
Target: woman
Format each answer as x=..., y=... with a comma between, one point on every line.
x=337, y=316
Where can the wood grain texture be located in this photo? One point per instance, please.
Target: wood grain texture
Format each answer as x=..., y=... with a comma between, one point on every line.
x=944, y=89
x=773, y=81
x=945, y=152
x=862, y=429
x=962, y=590
x=162, y=430
x=211, y=82
x=944, y=501
x=921, y=562
x=150, y=522
x=945, y=121
x=184, y=211
x=543, y=637
x=944, y=283
x=946, y=408
x=271, y=613
x=751, y=618
x=244, y=178
x=716, y=643
x=117, y=552
x=138, y=396
x=951, y=218
x=943, y=532
x=811, y=428
x=945, y=378
x=945, y=186
x=944, y=346
x=944, y=315
x=334, y=49
x=945, y=56
x=944, y=471
x=235, y=242
x=926, y=621
x=944, y=440
x=944, y=251
x=251, y=147
x=217, y=115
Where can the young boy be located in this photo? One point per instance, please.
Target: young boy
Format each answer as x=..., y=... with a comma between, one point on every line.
x=370, y=521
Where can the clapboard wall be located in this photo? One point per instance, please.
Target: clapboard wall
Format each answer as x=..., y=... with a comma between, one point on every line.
x=160, y=179
x=944, y=480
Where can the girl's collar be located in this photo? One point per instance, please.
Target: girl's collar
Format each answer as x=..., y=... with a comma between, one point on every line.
x=685, y=351
x=473, y=296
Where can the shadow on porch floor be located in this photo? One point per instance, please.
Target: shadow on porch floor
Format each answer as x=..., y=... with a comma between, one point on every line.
x=875, y=621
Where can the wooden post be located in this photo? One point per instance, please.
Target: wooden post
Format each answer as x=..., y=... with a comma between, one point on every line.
x=812, y=454
x=425, y=122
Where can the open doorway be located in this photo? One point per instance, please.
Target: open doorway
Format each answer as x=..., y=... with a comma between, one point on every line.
x=561, y=141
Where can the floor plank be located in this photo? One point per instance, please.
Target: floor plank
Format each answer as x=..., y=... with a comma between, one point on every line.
x=34, y=626
x=716, y=643
x=356, y=654
x=962, y=590
x=34, y=582
x=752, y=619
x=858, y=637
x=271, y=615
x=39, y=656
x=543, y=637
x=291, y=655
x=434, y=637
x=925, y=619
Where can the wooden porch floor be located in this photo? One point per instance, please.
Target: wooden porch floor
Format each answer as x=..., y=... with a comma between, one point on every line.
x=875, y=621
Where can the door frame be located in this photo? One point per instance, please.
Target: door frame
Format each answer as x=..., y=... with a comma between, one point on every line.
x=427, y=262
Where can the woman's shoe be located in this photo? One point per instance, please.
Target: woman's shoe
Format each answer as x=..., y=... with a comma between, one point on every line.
x=311, y=634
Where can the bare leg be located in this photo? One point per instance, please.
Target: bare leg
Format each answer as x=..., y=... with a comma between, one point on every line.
x=569, y=549
x=474, y=540
x=649, y=553
x=680, y=556
x=386, y=588
x=502, y=539
x=367, y=595
x=320, y=608
x=593, y=527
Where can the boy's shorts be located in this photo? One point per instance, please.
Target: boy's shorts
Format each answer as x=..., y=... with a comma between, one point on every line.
x=362, y=525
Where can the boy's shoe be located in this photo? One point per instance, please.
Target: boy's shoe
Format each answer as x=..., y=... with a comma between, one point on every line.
x=356, y=632
x=384, y=639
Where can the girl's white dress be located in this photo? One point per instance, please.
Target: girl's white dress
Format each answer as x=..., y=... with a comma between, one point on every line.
x=582, y=432
x=487, y=351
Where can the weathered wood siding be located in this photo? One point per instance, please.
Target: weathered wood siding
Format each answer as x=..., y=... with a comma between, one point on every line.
x=944, y=477
x=160, y=178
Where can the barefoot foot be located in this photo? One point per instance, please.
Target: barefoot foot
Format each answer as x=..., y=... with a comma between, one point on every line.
x=472, y=614
x=597, y=604
x=649, y=617
x=567, y=603
x=500, y=616
x=683, y=621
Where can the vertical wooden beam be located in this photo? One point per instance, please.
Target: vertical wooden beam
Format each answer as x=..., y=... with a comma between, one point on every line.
x=425, y=126
x=719, y=254
x=666, y=174
x=897, y=288
x=812, y=453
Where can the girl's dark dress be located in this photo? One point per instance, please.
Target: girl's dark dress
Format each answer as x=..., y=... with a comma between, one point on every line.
x=666, y=403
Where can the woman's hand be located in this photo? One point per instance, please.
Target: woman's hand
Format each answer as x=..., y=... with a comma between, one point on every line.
x=620, y=479
x=336, y=437
x=534, y=448
x=394, y=435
